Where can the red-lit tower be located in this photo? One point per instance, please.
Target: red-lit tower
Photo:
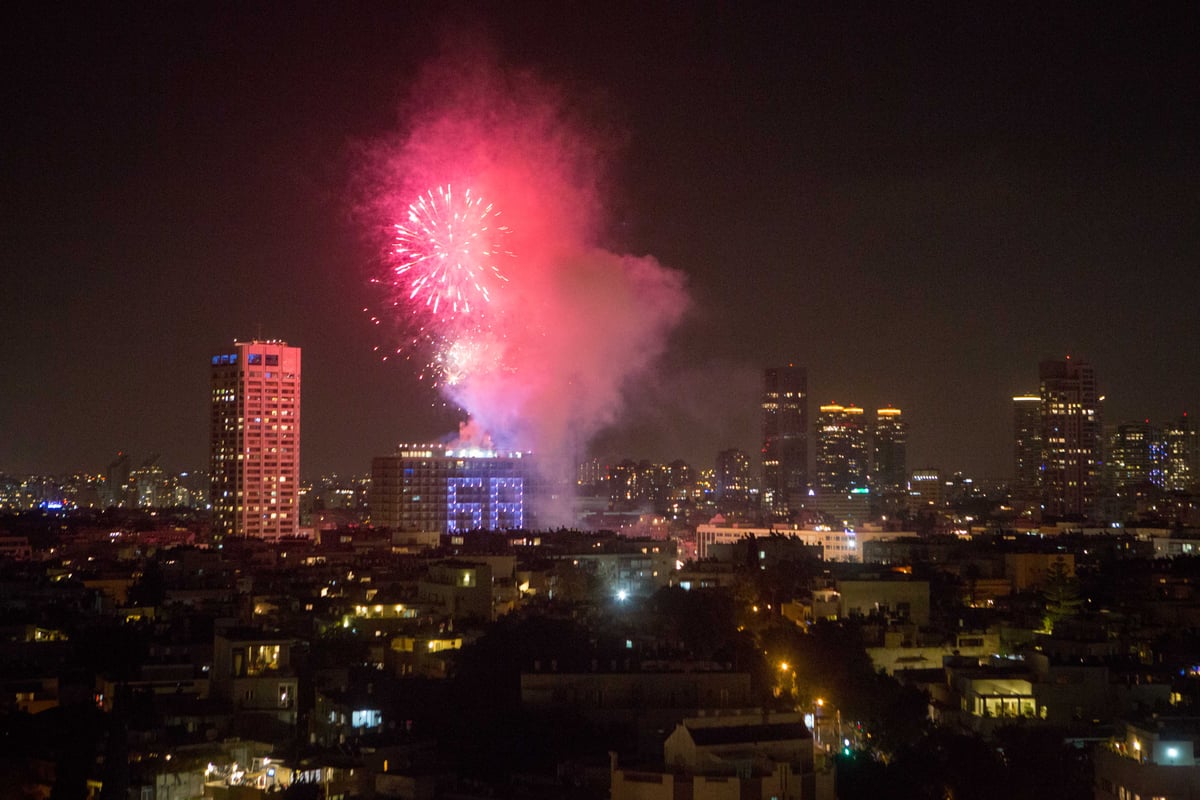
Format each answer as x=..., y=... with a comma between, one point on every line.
x=255, y=446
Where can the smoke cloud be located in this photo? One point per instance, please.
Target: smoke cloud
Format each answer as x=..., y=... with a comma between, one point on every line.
x=575, y=324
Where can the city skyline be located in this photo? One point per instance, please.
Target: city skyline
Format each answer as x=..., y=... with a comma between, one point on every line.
x=917, y=208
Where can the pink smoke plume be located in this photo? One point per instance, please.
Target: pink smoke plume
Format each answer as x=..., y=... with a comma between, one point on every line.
x=543, y=363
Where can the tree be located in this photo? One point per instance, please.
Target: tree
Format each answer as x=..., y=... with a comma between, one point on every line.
x=1060, y=594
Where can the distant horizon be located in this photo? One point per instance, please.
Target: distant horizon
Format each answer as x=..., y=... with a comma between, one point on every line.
x=607, y=459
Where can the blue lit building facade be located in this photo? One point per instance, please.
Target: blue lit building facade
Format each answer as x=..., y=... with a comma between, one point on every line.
x=439, y=488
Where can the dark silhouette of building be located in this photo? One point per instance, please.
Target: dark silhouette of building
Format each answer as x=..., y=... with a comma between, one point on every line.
x=1027, y=447
x=785, y=436
x=733, y=477
x=116, y=480
x=889, y=456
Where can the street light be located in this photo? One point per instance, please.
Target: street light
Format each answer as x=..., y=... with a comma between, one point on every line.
x=818, y=704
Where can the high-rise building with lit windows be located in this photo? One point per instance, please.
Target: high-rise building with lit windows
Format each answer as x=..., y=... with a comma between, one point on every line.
x=889, y=451
x=733, y=477
x=431, y=487
x=1027, y=447
x=255, y=446
x=1135, y=458
x=842, y=455
x=1182, y=454
x=785, y=435
x=1071, y=433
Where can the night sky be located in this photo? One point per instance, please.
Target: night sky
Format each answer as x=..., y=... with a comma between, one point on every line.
x=918, y=206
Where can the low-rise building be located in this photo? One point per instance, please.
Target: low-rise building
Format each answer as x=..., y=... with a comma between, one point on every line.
x=898, y=654
x=252, y=672
x=739, y=757
x=1031, y=570
x=461, y=589
x=646, y=698
x=1150, y=760
x=893, y=597
x=835, y=544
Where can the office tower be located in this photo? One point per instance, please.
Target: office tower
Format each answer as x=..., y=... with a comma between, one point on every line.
x=785, y=435
x=925, y=489
x=841, y=448
x=1134, y=458
x=1027, y=447
x=449, y=490
x=1182, y=455
x=1070, y=437
x=732, y=477
x=255, y=448
x=889, y=459
x=116, y=481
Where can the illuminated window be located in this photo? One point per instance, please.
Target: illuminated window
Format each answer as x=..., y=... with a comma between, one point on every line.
x=366, y=718
x=262, y=658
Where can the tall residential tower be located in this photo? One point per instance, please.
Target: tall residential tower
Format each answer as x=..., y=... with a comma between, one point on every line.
x=732, y=477
x=889, y=451
x=255, y=446
x=1182, y=455
x=1027, y=447
x=1071, y=432
x=785, y=435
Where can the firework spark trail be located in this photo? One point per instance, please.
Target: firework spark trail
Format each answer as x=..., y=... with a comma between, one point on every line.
x=447, y=250
x=445, y=268
x=534, y=328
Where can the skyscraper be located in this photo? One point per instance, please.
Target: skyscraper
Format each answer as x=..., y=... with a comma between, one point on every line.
x=255, y=446
x=1135, y=458
x=116, y=480
x=1071, y=429
x=1182, y=454
x=785, y=435
x=889, y=461
x=732, y=478
x=841, y=448
x=1027, y=447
